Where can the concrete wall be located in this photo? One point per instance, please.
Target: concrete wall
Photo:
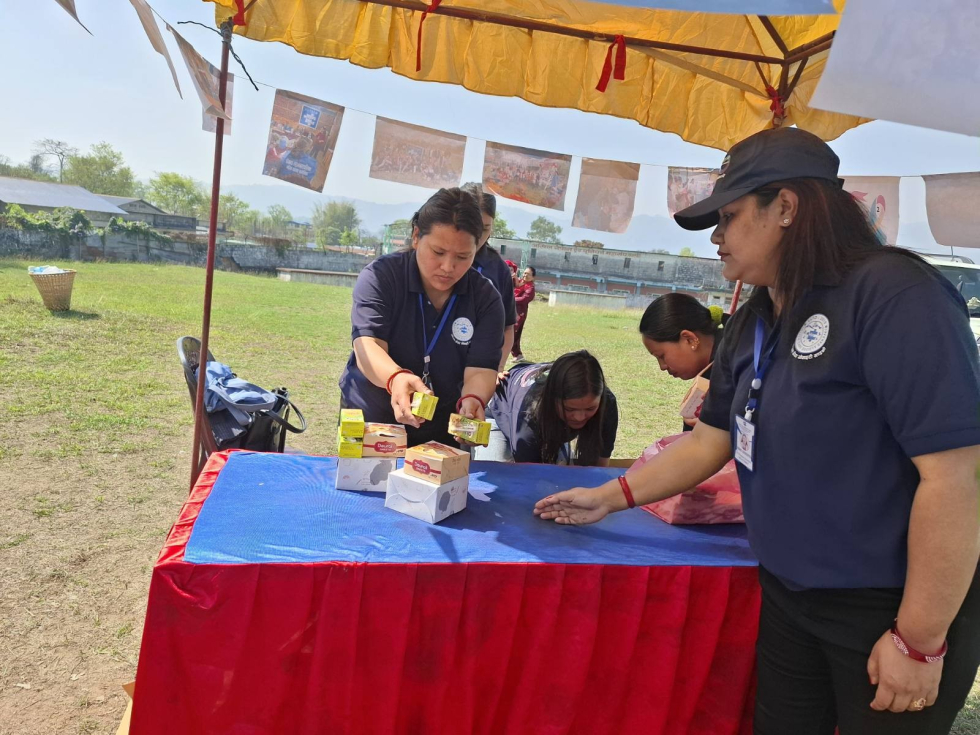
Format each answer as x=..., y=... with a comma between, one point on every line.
x=323, y=278
x=582, y=298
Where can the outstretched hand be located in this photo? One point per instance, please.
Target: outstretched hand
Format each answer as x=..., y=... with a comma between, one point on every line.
x=403, y=386
x=576, y=507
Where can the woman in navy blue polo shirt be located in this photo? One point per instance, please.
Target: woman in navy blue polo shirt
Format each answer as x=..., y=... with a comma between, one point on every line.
x=542, y=408
x=424, y=321
x=848, y=391
x=683, y=335
x=489, y=263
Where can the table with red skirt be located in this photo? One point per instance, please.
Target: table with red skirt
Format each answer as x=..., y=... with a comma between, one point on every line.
x=282, y=605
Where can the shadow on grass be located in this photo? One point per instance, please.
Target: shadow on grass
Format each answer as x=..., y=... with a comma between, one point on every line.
x=78, y=316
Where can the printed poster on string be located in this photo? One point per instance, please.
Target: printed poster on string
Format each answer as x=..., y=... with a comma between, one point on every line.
x=878, y=195
x=606, y=195
x=688, y=186
x=526, y=175
x=953, y=209
x=411, y=154
x=200, y=71
x=210, y=121
x=302, y=138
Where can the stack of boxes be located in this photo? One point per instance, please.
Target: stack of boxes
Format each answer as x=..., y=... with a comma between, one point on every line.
x=432, y=485
x=367, y=452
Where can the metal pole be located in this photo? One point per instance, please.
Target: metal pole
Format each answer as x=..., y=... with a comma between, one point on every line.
x=735, y=297
x=219, y=138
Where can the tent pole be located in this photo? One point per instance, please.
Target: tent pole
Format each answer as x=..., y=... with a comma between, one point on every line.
x=735, y=297
x=219, y=139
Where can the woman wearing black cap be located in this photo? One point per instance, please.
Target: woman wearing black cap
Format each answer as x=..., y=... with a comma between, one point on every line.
x=857, y=452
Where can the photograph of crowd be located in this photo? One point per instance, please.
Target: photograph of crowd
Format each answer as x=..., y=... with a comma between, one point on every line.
x=411, y=154
x=526, y=175
x=606, y=194
x=688, y=186
x=302, y=137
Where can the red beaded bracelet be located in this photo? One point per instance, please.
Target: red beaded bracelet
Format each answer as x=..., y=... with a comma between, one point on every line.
x=470, y=395
x=392, y=377
x=626, y=491
x=917, y=655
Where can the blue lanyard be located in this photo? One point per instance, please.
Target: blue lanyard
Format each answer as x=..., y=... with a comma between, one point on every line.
x=479, y=269
x=427, y=347
x=761, y=362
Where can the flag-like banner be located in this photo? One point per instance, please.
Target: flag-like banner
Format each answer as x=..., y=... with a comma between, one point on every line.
x=879, y=195
x=200, y=71
x=156, y=38
x=411, y=154
x=688, y=186
x=210, y=124
x=526, y=175
x=69, y=6
x=302, y=137
x=953, y=209
x=606, y=195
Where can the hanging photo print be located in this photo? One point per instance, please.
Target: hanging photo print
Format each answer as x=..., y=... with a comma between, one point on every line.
x=156, y=38
x=879, y=195
x=200, y=71
x=953, y=209
x=688, y=186
x=606, y=194
x=526, y=175
x=210, y=121
x=302, y=137
x=410, y=154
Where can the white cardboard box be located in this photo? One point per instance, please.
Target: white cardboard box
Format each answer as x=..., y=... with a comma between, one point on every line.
x=366, y=475
x=423, y=499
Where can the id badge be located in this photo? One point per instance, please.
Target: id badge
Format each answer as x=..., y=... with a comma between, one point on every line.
x=744, y=442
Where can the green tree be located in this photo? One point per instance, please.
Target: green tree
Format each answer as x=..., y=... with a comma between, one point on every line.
x=102, y=171
x=236, y=213
x=501, y=230
x=331, y=220
x=593, y=244
x=57, y=149
x=348, y=239
x=544, y=230
x=177, y=194
x=23, y=171
x=277, y=217
x=686, y=252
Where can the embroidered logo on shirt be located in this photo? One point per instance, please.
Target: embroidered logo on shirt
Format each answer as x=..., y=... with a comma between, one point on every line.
x=462, y=331
x=811, y=338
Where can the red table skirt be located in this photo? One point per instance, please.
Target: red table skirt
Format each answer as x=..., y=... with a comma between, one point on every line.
x=447, y=648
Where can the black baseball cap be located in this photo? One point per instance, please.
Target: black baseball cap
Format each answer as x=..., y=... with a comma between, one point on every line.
x=771, y=155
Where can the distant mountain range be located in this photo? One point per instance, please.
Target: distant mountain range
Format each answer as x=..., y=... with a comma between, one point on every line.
x=645, y=233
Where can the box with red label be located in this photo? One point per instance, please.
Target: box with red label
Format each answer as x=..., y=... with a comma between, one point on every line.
x=437, y=463
x=716, y=500
x=384, y=440
x=425, y=500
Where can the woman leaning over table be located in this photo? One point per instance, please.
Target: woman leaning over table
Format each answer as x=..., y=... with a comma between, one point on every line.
x=848, y=390
x=424, y=321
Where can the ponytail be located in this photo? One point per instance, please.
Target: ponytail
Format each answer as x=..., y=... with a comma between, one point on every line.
x=668, y=316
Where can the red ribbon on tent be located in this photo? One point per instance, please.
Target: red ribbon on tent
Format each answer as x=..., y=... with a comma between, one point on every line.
x=239, y=19
x=418, y=46
x=607, y=68
x=777, y=106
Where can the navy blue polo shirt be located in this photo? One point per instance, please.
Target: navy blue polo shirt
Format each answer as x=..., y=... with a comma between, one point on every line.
x=489, y=264
x=510, y=409
x=386, y=307
x=866, y=374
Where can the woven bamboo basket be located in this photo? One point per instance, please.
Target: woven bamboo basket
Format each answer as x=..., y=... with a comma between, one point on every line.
x=55, y=289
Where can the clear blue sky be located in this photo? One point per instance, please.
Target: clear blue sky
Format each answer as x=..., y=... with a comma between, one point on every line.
x=62, y=83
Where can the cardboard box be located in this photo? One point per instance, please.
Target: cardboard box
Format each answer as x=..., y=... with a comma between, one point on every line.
x=348, y=446
x=426, y=500
x=352, y=422
x=364, y=475
x=384, y=440
x=476, y=432
x=437, y=463
x=691, y=405
x=424, y=405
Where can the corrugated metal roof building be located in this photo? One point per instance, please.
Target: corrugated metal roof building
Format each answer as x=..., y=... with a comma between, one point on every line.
x=43, y=196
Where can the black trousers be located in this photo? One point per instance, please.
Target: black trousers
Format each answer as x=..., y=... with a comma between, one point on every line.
x=813, y=651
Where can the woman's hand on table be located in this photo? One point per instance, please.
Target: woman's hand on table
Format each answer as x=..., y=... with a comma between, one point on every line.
x=577, y=507
x=901, y=680
x=403, y=386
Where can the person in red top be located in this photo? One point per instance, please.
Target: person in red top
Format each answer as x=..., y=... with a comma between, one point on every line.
x=523, y=295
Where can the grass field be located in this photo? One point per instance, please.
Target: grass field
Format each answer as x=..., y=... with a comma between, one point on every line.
x=94, y=452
